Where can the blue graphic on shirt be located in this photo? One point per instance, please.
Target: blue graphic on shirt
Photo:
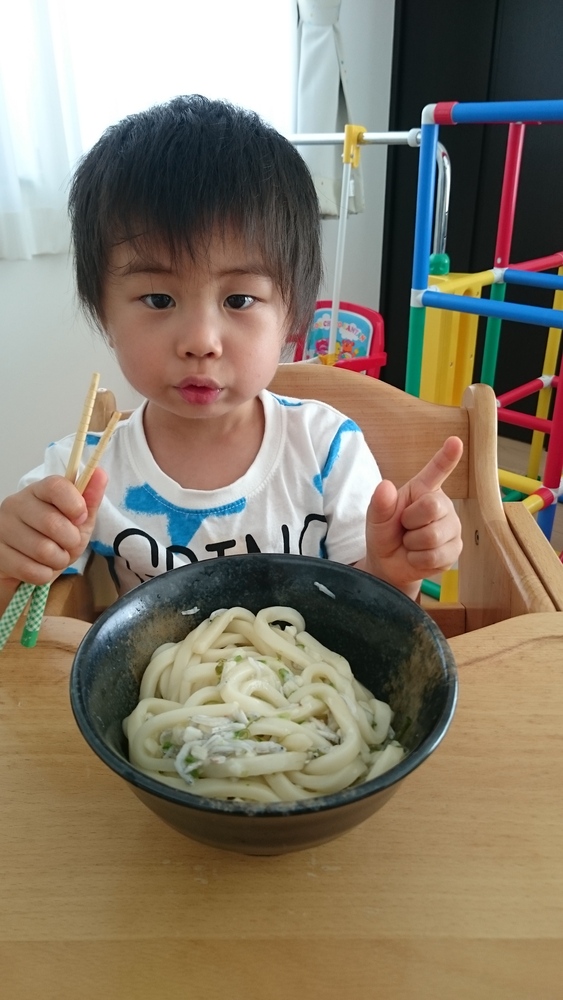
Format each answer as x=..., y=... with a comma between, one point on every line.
x=103, y=550
x=283, y=401
x=183, y=522
x=90, y=439
x=333, y=453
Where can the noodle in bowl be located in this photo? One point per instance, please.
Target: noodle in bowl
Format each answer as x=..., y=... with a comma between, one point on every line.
x=280, y=720
x=245, y=709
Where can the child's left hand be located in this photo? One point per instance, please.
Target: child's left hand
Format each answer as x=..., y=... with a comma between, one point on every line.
x=414, y=532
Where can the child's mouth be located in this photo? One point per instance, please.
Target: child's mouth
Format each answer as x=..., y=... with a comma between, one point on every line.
x=199, y=393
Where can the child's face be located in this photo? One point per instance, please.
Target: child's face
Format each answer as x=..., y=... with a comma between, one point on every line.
x=200, y=340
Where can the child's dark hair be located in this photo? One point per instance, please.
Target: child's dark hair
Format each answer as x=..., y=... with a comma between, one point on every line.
x=183, y=170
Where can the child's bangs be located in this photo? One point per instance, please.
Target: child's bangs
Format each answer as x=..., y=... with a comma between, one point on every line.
x=157, y=240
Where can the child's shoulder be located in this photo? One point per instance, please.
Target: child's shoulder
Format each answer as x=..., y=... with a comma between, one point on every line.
x=309, y=410
x=92, y=438
x=59, y=451
x=309, y=420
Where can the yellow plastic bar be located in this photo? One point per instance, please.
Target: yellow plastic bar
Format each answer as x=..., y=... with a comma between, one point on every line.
x=449, y=346
x=439, y=350
x=533, y=503
x=466, y=343
x=353, y=138
x=512, y=481
x=438, y=354
x=544, y=396
x=464, y=282
x=449, y=588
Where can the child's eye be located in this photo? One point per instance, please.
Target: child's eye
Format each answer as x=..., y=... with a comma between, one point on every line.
x=239, y=301
x=157, y=300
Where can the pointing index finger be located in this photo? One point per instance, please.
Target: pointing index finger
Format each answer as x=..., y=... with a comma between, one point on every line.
x=440, y=466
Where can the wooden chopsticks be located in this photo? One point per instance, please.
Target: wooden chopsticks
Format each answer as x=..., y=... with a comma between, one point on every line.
x=40, y=593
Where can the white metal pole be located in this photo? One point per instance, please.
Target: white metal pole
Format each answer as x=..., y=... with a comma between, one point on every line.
x=410, y=138
x=339, y=262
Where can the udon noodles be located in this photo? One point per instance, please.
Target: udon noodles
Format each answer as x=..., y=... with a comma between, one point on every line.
x=247, y=708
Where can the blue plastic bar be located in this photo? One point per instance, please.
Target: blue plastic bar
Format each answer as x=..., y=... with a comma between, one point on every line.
x=545, y=518
x=514, y=277
x=507, y=111
x=504, y=310
x=424, y=205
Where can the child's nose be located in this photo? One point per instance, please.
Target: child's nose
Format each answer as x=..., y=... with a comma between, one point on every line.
x=200, y=337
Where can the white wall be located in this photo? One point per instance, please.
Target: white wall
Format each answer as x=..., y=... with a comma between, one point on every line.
x=47, y=350
x=48, y=354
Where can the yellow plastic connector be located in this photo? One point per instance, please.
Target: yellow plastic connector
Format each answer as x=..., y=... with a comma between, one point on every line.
x=353, y=138
x=328, y=359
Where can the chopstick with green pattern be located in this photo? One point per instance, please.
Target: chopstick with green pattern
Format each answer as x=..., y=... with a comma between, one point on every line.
x=40, y=593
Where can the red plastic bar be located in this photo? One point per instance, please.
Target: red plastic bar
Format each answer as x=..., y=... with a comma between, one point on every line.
x=513, y=159
x=443, y=112
x=521, y=391
x=524, y=420
x=540, y=263
x=554, y=457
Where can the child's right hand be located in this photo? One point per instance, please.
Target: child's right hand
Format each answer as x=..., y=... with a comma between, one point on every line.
x=46, y=526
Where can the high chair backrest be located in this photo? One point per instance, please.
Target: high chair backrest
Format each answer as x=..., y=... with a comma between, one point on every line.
x=502, y=572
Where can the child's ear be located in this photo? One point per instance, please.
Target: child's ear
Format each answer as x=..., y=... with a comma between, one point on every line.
x=107, y=335
x=101, y=326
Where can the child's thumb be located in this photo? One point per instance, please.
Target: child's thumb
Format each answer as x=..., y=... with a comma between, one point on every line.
x=383, y=503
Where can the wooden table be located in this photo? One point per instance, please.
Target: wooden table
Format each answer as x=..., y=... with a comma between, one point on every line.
x=454, y=891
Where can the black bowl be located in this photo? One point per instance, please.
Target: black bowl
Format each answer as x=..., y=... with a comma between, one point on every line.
x=393, y=646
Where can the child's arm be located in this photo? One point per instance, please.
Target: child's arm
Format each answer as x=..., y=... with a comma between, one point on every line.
x=45, y=527
x=414, y=532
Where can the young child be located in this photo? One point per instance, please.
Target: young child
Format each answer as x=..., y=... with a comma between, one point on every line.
x=197, y=252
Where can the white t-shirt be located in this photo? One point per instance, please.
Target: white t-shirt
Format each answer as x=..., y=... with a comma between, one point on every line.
x=307, y=492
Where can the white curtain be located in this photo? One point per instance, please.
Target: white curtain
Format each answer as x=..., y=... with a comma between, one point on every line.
x=323, y=102
x=39, y=138
x=69, y=68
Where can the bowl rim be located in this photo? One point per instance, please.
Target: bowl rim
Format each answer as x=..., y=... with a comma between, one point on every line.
x=272, y=810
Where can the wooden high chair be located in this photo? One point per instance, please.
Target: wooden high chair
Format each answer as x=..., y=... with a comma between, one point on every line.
x=507, y=567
